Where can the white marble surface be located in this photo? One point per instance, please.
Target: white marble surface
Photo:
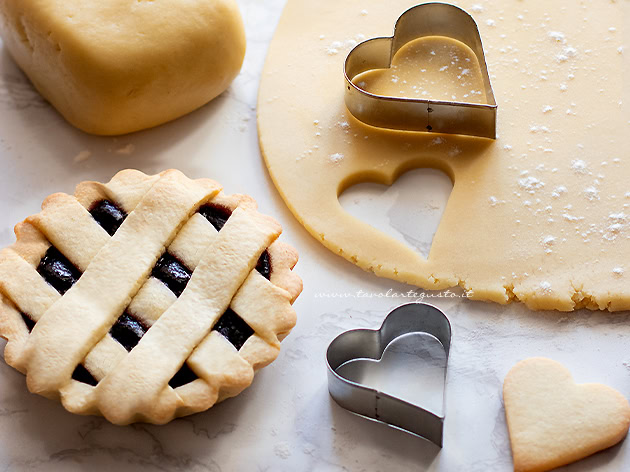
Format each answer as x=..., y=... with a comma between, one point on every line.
x=286, y=421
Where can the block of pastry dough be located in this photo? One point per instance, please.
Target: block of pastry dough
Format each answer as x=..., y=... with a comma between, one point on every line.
x=117, y=66
x=553, y=421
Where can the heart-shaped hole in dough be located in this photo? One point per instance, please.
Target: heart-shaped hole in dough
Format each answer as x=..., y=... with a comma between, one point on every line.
x=433, y=67
x=409, y=210
x=412, y=368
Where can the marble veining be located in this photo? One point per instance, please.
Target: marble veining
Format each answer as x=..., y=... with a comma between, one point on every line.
x=410, y=210
x=286, y=421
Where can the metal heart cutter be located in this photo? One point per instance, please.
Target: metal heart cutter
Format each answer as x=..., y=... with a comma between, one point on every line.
x=372, y=344
x=412, y=114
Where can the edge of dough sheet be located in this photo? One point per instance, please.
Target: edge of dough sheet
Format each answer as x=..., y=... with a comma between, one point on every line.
x=515, y=223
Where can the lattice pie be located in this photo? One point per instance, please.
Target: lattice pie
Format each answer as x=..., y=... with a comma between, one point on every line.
x=145, y=298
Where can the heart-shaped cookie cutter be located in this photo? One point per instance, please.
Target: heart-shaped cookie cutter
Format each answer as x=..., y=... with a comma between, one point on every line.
x=412, y=114
x=371, y=344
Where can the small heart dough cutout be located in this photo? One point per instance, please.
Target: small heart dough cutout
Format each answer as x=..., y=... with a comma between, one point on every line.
x=553, y=421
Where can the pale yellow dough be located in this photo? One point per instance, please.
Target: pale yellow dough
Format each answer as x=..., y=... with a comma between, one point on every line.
x=553, y=422
x=117, y=66
x=540, y=215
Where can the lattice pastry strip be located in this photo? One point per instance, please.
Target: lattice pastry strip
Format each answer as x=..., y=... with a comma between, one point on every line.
x=153, y=299
x=153, y=304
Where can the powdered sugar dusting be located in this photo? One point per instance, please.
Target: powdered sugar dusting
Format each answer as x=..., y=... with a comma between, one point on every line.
x=616, y=224
x=566, y=54
x=530, y=184
x=336, y=157
x=336, y=47
x=558, y=36
x=548, y=242
x=579, y=166
x=591, y=193
x=558, y=191
x=539, y=129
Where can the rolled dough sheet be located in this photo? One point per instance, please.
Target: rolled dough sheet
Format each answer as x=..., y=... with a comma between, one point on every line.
x=541, y=215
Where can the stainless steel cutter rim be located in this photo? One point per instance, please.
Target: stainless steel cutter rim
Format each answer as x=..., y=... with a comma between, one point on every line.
x=380, y=393
x=488, y=110
x=430, y=425
x=360, y=385
x=388, y=344
x=419, y=100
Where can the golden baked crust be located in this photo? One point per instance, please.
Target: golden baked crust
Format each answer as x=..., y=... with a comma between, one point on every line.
x=553, y=421
x=74, y=329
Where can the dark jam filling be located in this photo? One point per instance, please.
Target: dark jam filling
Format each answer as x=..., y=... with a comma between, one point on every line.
x=263, y=266
x=81, y=374
x=172, y=272
x=58, y=271
x=28, y=321
x=128, y=330
x=182, y=377
x=218, y=216
x=108, y=215
x=234, y=328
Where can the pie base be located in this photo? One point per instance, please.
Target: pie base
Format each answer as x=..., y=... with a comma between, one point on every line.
x=75, y=328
